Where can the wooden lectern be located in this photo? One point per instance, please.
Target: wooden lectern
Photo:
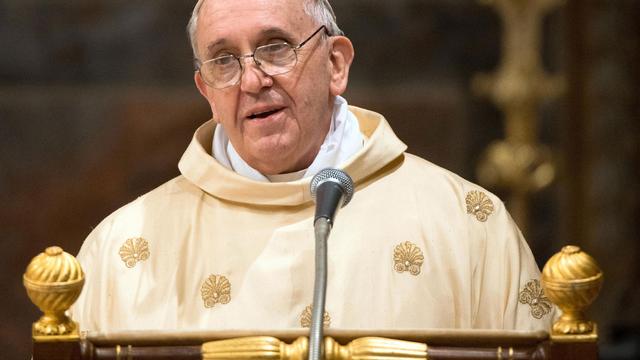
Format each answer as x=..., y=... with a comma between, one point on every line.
x=571, y=280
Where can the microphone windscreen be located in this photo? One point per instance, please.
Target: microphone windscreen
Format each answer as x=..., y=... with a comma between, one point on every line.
x=336, y=176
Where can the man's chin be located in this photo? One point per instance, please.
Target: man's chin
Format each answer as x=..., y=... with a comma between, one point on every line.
x=280, y=158
x=270, y=162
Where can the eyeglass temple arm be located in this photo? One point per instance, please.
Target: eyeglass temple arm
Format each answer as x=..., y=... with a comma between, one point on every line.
x=312, y=35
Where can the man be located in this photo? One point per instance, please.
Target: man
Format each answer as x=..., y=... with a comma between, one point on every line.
x=229, y=243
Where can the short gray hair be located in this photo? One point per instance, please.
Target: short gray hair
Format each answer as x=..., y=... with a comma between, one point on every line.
x=320, y=10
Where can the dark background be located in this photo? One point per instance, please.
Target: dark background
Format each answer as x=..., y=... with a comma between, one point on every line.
x=97, y=105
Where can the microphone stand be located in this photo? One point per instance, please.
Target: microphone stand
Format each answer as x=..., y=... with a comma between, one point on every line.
x=332, y=189
x=322, y=229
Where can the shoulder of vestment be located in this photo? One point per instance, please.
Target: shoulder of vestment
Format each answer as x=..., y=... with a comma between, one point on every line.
x=426, y=178
x=169, y=202
x=444, y=194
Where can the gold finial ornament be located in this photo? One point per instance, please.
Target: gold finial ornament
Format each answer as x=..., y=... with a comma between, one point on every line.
x=53, y=281
x=572, y=280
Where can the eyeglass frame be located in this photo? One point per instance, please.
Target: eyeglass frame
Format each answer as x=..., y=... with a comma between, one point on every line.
x=199, y=64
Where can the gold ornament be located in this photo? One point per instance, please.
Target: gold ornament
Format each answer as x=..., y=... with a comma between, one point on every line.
x=526, y=168
x=53, y=281
x=266, y=347
x=134, y=250
x=572, y=280
x=533, y=295
x=479, y=204
x=255, y=347
x=408, y=257
x=305, y=318
x=216, y=290
x=374, y=348
x=519, y=163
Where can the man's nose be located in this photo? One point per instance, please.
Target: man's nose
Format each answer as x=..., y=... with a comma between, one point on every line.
x=253, y=78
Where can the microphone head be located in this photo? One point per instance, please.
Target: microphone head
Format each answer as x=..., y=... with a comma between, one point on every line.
x=337, y=176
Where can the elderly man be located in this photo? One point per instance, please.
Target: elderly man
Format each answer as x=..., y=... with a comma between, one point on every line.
x=229, y=243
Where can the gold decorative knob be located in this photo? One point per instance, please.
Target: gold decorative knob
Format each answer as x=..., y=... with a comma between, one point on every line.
x=572, y=280
x=53, y=281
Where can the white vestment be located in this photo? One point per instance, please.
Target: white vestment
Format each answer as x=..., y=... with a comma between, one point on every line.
x=417, y=248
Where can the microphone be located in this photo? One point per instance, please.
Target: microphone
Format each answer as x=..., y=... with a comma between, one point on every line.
x=331, y=189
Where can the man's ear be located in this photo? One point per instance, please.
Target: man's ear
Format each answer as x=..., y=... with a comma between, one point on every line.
x=202, y=87
x=205, y=91
x=341, y=57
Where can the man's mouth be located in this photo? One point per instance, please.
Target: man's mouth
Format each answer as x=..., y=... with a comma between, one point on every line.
x=264, y=114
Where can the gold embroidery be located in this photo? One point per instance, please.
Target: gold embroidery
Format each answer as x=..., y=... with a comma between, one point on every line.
x=479, y=204
x=216, y=290
x=134, y=250
x=533, y=294
x=305, y=318
x=408, y=257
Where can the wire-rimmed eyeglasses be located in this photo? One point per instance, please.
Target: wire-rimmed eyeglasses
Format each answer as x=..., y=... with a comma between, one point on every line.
x=272, y=59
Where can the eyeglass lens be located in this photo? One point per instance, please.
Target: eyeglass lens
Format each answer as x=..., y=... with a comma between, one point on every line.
x=273, y=59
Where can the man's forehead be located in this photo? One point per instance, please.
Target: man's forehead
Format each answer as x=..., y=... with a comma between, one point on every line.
x=253, y=10
x=220, y=18
x=237, y=23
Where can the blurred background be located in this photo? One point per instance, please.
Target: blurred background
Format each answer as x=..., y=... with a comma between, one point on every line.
x=97, y=104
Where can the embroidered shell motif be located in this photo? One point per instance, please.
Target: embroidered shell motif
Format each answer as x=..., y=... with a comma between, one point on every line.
x=408, y=257
x=305, y=318
x=479, y=204
x=533, y=294
x=134, y=250
x=216, y=290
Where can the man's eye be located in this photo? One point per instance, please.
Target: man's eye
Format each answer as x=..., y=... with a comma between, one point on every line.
x=270, y=51
x=276, y=47
x=224, y=60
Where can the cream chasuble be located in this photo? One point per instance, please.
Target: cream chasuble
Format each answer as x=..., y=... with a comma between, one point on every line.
x=417, y=248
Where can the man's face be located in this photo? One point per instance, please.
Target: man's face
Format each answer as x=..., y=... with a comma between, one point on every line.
x=275, y=123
